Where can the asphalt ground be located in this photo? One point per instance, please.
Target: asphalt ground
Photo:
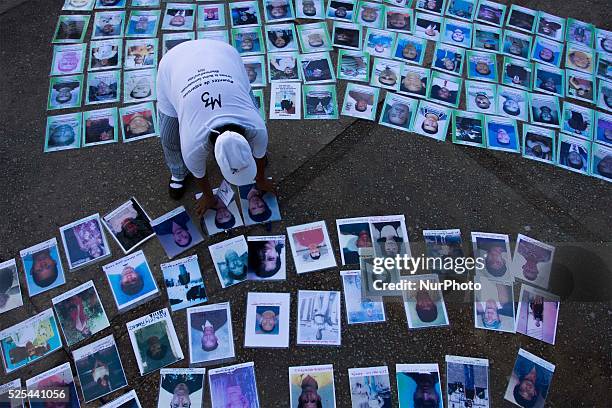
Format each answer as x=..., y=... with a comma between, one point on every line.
x=324, y=170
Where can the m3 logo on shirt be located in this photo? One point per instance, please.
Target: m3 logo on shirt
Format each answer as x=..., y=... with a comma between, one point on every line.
x=210, y=102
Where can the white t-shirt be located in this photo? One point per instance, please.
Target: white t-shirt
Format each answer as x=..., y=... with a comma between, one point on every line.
x=204, y=84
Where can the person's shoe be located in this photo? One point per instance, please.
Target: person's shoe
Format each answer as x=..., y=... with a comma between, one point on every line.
x=176, y=188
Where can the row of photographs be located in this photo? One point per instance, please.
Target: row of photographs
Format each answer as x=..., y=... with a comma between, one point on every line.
x=418, y=385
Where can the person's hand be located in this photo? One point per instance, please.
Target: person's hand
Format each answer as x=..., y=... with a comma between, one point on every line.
x=265, y=185
x=204, y=203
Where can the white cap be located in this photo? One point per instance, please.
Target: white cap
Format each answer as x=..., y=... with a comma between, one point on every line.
x=235, y=158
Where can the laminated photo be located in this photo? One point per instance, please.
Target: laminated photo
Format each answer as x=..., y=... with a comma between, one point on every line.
x=353, y=65
x=516, y=45
x=445, y=89
x=285, y=100
x=78, y=5
x=448, y=58
x=181, y=387
x=370, y=14
x=580, y=86
x=579, y=32
x=145, y=3
x=544, y=110
x=379, y=43
x=209, y=328
x=211, y=15
x=248, y=40
x=530, y=380
x=231, y=260
x=539, y=144
x=129, y=225
x=283, y=66
x=342, y=10
x=398, y=112
x=547, y=51
x=409, y=48
x=548, y=79
x=432, y=120
x=143, y=23
x=63, y=132
x=512, y=103
x=418, y=385
x=320, y=102
x=105, y=54
x=65, y=92
x=494, y=305
x=370, y=386
x=80, y=313
x=311, y=247
x=70, y=29
x=577, y=121
x=487, y=38
x=502, y=134
x=43, y=267
x=550, y=26
x=311, y=9
x=462, y=9
x=138, y=122
x=457, y=33
x=312, y=384
x=245, y=14
x=389, y=236
x=386, y=74
x=353, y=234
x=179, y=16
x=278, y=10
x=154, y=341
x=131, y=281
x=233, y=386
x=100, y=127
x=603, y=128
x=482, y=66
x=255, y=66
x=184, y=283
x=29, y=340
x=467, y=381
x=84, y=242
x=346, y=35
x=398, y=19
x=139, y=86
x=68, y=59
x=317, y=68
x=532, y=261
x=427, y=26
x=319, y=318
x=99, y=368
x=444, y=245
x=10, y=290
x=537, y=314
x=110, y=4
x=490, y=12
x=176, y=232
x=267, y=320
x=55, y=379
x=574, y=154
x=281, y=37
x=424, y=307
x=5, y=390
x=580, y=58
x=127, y=400
x=468, y=128
x=219, y=35
x=495, y=250
x=108, y=24
x=314, y=37
x=604, y=95
x=415, y=80
x=521, y=18
x=267, y=258
x=371, y=281
x=259, y=102
x=601, y=162
x=103, y=87
x=517, y=73
x=171, y=40
x=141, y=53
x=431, y=6
x=360, y=309
x=603, y=40
x=221, y=217
x=400, y=3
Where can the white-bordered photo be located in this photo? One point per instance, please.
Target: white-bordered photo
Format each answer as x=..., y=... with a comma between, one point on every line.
x=419, y=384
x=255, y=66
x=5, y=390
x=285, y=100
x=57, y=378
x=84, y=242
x=389, y=236
x=267, y=320
x=233, y=383
x=139, y=85
x=129, y=225
x=181, y=386
x=424, y=305
x=319, y=318
x=10, y=289
x=230, y=258
x=494, y=249
x=313, y=383
x=530, y=380
x=360, y=101
x=209, y=329
x=532, y=261
x=108, y=24
x=211, y=15
x=432, y=120
x=353, y=234
x=221, y=217
x=129, y=399
x=105, y=54
x=100, y=126
x=370, y=386
x=267, y=258
x=312, y=9
x=42, y=265
x=68, y=59
x=281, y=37
x=179, y=16
x=141, y=53
x=176, y=232
x=537, y=314
x=258, y=206
x=184, y=283
x=494, y=305
x=138, y=122
x=78, y=5
x=311, y=247
x=467, y=381
x=360, y=309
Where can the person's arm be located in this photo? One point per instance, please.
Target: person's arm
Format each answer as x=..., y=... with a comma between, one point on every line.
x=261, y=181
x=207, y=200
